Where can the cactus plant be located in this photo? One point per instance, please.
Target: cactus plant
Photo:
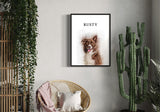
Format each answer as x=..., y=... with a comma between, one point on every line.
x=136, y=68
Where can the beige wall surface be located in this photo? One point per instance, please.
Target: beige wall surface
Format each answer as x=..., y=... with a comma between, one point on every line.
x=53, y=47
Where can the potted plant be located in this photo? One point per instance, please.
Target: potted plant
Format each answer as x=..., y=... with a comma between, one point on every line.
x=136, y=67
x=154, y=87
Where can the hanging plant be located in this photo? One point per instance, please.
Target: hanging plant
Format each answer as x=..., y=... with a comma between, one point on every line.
x=23, y=22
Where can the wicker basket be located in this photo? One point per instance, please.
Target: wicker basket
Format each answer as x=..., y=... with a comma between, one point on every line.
x=85, y=98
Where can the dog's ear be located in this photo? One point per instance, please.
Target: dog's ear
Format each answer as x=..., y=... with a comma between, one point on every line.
x=83, y=41
x=95, y=38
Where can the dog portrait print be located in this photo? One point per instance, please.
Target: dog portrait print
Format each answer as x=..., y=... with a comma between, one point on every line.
x=91, y=52
x=90, y=40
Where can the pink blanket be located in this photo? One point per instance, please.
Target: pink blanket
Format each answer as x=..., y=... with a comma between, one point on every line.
x=45, y=92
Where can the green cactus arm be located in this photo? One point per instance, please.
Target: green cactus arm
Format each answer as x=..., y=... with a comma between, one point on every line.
x=121, y=86
x=140, y=34
x=122, y=53
x=140, y=30
x=120, y=75
x=128, y=33
x=123, y=60
x=146, y=64
x=147, y=56
x=121, y=44
x=139, y=80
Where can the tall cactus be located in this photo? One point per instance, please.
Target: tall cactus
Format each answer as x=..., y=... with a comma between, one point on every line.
x=136, y=68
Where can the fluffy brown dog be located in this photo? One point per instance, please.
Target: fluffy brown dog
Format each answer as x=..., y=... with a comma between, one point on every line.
x=90, y=48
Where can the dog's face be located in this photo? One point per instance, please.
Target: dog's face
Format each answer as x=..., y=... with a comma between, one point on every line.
x=89, y=44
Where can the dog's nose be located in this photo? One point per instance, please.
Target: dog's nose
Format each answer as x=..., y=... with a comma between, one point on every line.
x=89, y=47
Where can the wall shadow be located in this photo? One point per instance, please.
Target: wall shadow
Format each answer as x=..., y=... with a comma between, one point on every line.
x=68, y=44
x=66, y=41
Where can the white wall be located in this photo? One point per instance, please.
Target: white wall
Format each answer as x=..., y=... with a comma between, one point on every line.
x=156, y=29
x=53, y=46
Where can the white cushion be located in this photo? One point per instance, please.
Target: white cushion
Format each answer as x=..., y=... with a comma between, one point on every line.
x=69, y=102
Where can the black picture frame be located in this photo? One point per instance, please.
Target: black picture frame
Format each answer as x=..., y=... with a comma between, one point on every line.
x=71, y=40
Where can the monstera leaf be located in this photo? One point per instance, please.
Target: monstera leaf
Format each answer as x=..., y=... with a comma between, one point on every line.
x=154, y=90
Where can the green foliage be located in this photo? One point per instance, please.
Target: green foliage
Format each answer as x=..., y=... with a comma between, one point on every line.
x=154, y=90
x=22, y=17
x=136, y=68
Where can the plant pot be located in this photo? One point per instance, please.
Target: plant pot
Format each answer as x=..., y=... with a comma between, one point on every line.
x=126, y=110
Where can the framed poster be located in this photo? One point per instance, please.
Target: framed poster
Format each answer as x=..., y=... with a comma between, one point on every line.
x=90, y=40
